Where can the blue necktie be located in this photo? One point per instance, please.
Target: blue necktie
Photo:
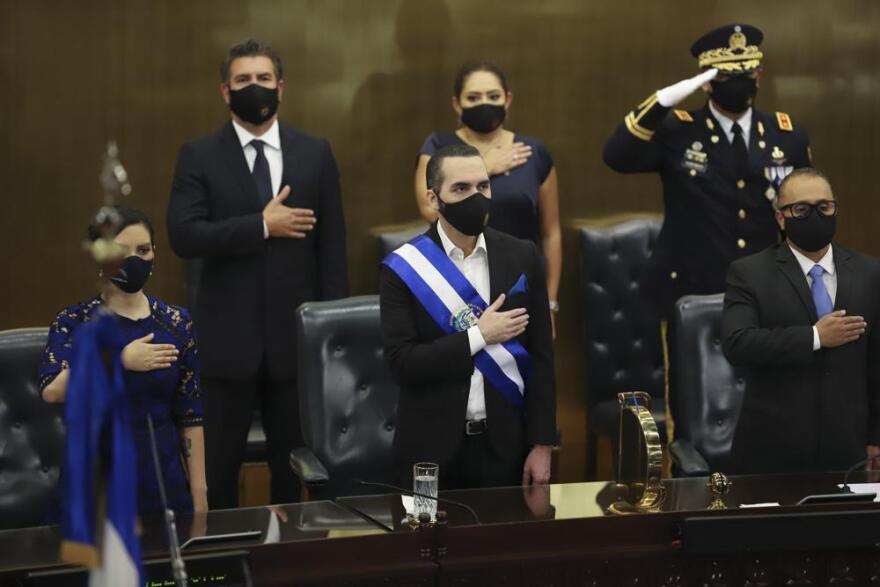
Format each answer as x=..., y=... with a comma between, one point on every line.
x=820, y=294
x=261, y=173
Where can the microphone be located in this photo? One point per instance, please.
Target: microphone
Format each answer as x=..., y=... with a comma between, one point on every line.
x=845, y=495
x=416, y=493
x=862, y=463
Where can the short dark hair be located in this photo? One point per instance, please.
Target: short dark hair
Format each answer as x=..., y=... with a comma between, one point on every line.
x=434, y=171
x=127, y=217
x=249, y=48
x=472, y=67
x=800, y=172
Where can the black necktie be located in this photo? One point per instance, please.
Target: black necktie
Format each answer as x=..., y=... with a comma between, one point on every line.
x=741, y=153
x=261, y=172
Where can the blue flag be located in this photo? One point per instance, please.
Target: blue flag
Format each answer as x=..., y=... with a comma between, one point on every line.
x=99, y=490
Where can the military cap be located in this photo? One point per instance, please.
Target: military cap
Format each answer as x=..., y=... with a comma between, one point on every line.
x=731, y=49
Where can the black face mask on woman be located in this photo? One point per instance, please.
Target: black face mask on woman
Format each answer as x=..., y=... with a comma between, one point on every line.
x=469, y=216
x=812, y=233
x=133, y=274
x=254, y=103
x=483, y=118
x=735, y=94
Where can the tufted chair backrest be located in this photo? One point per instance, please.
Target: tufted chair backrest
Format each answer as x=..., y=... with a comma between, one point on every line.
x=709, y=389
x=31, y=432
x=622, y=332
x=347, y=397
x=393, y=239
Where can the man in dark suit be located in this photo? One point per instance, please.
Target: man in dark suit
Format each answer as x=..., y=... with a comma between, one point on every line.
x=720, y=165
x=260, y=204
x=457, y=407
x=802, y=317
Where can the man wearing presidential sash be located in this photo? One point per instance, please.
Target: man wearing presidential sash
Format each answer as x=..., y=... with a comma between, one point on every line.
x=467, y=335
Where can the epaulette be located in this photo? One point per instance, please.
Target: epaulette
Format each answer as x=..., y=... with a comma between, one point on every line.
x=683, y=115
x=784, y=122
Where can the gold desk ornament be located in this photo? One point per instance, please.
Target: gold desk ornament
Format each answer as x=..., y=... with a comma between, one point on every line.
x=639, y=488
x=719, y=485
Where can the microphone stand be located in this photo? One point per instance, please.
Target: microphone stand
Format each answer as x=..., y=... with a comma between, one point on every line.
x=178, y=567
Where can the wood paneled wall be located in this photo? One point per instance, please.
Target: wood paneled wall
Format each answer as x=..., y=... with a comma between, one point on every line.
x=375, y=77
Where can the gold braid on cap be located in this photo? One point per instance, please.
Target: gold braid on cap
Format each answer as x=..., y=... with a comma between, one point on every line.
x=737, y=57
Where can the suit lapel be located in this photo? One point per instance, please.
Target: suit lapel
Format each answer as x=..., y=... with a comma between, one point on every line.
x=792, y=270
x=497, y=266
x=845, y=277
x=288, y=151
x=238, y=166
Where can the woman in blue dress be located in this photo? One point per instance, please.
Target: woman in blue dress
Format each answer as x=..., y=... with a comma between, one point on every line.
x=525, y=194
x=161, y=370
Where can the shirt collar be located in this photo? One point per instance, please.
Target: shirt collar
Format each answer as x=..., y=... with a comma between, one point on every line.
x=272, y=137
x=826, y=262
x=454, y=251
x=745, y=121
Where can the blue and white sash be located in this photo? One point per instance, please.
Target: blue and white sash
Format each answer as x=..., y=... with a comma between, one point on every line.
x=454, y=304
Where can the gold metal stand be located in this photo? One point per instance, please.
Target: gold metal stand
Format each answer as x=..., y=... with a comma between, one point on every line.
x=639, y=488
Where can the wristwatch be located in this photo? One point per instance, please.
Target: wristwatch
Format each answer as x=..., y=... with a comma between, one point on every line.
x=554, y=306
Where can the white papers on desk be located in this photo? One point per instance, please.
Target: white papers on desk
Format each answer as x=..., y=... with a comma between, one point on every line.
x=408, y=504
x=864, y=488
x=768, y=504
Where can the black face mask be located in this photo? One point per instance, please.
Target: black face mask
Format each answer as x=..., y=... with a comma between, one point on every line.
x=133, y=274
x=469, y=216
x=735, y=94
x=254, y=103
x=483, y=118
x=812, y=233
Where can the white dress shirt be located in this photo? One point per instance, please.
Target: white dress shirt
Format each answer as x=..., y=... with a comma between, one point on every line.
x=745, y=121
x=829, y=277
x=271, y=149
x=475, y=268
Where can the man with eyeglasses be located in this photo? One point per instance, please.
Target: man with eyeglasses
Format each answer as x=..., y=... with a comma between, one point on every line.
x=800, y=317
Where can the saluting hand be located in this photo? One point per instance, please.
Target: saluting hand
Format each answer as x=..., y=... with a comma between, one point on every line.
x=284, y=222
x=141, y=355
x=672, y=95
x=497, y=327
x=836, y=329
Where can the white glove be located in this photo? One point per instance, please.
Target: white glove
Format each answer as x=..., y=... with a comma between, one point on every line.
x=672, y=95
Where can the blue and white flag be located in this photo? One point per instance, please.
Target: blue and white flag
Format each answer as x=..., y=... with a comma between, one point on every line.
x=454, y=304
x=99, y=507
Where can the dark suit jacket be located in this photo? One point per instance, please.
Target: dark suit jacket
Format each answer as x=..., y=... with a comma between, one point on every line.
x=251, y=286
x=434, y=369
x=709, y=220
x=803, y=409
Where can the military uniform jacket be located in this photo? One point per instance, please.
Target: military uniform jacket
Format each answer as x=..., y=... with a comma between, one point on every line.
x=712, y=214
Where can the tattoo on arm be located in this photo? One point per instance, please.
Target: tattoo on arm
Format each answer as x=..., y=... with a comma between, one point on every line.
x=187, y=446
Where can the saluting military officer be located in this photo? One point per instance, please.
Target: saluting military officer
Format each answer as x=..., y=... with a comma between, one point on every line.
x=720, y=165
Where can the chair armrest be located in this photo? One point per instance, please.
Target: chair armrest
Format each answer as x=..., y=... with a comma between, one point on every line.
x=686, y=460
x=307, y=467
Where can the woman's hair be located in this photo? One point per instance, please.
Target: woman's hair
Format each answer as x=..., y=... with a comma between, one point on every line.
x=127, y=217
x=472, y=67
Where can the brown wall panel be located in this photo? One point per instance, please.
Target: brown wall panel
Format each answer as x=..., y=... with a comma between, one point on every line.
x=375, y=76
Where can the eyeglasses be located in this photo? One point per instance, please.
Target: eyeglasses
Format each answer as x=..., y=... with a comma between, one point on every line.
x=803, y=210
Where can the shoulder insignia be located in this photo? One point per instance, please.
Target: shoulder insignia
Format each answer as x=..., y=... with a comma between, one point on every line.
x=784, y=122
x=683, y=115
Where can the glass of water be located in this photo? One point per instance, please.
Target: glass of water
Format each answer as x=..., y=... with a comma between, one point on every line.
x=425, y=478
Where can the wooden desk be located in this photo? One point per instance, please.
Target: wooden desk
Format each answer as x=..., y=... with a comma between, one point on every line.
x=547, y=536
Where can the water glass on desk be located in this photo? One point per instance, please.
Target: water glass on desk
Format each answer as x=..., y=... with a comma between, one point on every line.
x=425, y=479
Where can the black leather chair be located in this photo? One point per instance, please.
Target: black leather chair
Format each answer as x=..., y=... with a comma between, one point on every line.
x=256, y=440
x=347, y=398
x=392, y=237
x=622, y=338
x=31, y=432
x=709, y=391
